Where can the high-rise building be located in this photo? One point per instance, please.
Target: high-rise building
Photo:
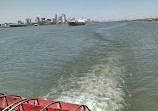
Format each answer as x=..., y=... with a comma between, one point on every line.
x=63, y=18
x=59, y=19
x=28, y=21
x=37, y=20
x=43, y=19
x=54, y=18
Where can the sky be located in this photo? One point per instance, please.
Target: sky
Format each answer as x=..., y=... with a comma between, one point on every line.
x=13, y=10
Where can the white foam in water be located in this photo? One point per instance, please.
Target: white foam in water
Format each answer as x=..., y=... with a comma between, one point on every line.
x=99, y=89
x=115, y=26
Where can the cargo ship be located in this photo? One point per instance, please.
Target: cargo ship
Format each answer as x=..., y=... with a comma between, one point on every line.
x=18, y=103
x=77, y=23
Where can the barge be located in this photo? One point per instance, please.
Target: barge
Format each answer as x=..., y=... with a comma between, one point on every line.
x=17, y=25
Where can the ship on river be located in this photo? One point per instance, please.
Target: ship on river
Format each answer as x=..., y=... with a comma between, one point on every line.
x=77, y=23
x=17, y=25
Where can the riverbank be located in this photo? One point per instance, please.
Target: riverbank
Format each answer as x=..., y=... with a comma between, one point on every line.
x=33, y=24
x=147, y=20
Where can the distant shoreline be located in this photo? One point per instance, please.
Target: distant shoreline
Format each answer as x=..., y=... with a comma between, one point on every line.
x=45, y=24
x=33, y=24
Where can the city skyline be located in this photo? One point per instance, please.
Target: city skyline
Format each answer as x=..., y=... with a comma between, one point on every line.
x=12, y=11
x=55, y=19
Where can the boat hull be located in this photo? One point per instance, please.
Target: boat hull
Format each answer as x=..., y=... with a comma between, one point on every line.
x=17, y=25
x=23, y=104
x=76, y=23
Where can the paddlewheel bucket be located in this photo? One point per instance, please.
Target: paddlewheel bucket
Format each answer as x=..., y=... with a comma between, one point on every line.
x=17, y=103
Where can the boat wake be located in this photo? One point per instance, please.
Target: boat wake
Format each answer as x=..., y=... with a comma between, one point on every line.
x=95, y=79
x=100, y=88
x=114, y=26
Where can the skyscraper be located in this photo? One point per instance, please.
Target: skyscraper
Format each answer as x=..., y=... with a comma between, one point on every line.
x=54, y=18
x=37, y=20
x=63, y=18
x=59, y=19
x=28, y=21
x=43, y=19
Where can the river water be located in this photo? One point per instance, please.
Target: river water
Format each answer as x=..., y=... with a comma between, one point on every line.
x=106, y=66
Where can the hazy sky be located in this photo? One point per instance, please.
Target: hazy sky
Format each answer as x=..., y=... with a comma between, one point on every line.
x=14, y=10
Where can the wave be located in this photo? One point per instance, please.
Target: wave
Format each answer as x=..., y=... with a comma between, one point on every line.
x=97, y=82
x=99, y=88
x=114, y=26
